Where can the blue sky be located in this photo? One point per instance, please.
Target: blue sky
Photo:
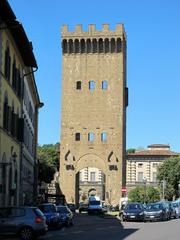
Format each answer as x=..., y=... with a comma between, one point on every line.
x=153, y=61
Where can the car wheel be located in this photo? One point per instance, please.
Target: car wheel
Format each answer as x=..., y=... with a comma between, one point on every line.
x=58, y=225
x=26, y=233
x=71, y=223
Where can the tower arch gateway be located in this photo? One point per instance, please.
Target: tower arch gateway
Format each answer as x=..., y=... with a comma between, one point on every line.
x=90, y=160
x=93, y=125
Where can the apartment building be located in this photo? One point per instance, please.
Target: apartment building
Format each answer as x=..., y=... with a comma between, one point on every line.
x=19, y=104
x=141, y=165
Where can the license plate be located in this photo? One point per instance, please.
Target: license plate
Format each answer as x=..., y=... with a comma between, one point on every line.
x=132, y=216
x=151, y=216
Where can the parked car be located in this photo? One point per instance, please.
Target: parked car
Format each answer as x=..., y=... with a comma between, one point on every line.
x=167, y=207
x=72, y=207
x=65, y=215
x=133, y=211
x=83, y=207
x=155, y=211
x=51, y=214
x=26, y=222
x=176, y=205
x=173, y=213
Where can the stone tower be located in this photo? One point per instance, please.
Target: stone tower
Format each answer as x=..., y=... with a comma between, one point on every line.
x=94, y=100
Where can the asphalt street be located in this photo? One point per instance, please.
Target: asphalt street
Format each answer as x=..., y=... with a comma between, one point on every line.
x=111, y=228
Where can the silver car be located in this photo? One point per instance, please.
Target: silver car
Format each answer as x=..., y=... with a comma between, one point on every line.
x=26, y=222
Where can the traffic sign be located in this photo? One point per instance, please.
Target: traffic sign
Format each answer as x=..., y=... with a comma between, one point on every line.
x=123, y=189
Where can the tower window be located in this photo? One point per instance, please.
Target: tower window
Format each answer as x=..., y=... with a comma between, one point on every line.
x=76, y=45
x=88, y=46
x=100, y=45
x=78, y=85
x=71, y=48
x=91, y=85
x=119, y=45
x=90, y=137
x=103, y=137
x=104, y=85
x=94, y=43
x=64, y=46
x=83, y=47
x=106, y=45
x=113, y=45
x=77, y=137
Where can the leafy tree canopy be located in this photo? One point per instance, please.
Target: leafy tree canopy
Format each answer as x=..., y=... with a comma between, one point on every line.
x=146, y=194
x=131, y=150
x=169, y=171
x=48, y=156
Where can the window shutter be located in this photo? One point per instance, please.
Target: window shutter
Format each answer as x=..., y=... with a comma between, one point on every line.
x=9, y=119
x=20, y=128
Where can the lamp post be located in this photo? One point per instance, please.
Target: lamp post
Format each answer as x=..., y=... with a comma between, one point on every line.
x=163, y=188
x=178, y=190
x=110, y=190
x=144, y=182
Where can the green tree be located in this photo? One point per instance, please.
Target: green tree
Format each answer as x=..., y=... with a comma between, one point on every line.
x=48, y=156
x=169, y=171
x=136, y=194
x=144, y=194
x=49, y=153
x=130, y=150
x=152, y=194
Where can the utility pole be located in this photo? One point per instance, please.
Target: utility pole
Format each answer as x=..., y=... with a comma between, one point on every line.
x=163, y=188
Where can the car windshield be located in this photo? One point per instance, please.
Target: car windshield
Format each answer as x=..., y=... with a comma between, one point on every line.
x=133, y=206
x=62, y=209
x=94, y=203
x=154, y=207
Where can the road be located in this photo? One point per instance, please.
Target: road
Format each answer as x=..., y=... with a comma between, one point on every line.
x=111, y=228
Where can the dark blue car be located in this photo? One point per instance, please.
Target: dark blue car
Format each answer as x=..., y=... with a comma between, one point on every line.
x=133, y=212
x=51, y=214
x=65, y=215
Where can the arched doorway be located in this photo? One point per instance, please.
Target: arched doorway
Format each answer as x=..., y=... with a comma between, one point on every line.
x=90, y=177
x=90, y=181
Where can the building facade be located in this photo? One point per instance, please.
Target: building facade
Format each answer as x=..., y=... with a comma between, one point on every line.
x=91, y=181
x=94, y=100
x=17, y=63
x=142, y=165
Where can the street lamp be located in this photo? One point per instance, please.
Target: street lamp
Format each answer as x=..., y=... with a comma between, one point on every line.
x=110, y=190
x=163, y=188
x=179, y=190
x=144, y=182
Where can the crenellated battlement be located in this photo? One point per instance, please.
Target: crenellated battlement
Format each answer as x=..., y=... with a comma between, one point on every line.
x=92, y=32
x=93, y=41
